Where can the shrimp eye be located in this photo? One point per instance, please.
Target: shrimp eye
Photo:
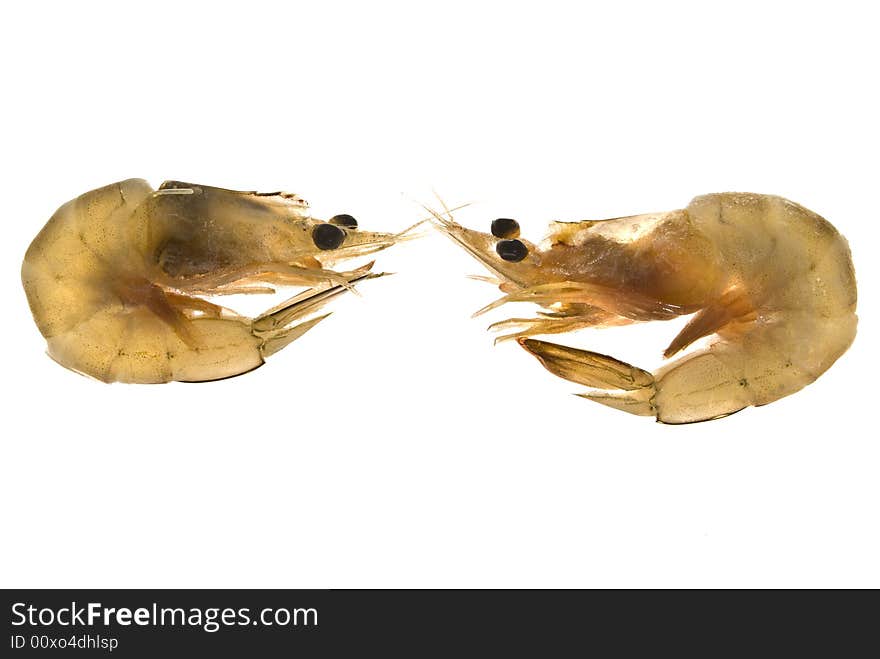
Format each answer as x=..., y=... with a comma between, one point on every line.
x=344, y=220
x=327, y=236
x=511, y=250
x=504, y=227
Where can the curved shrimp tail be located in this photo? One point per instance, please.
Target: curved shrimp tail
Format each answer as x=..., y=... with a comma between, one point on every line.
x=700, y=386
x=766, y=363
x=769, y=360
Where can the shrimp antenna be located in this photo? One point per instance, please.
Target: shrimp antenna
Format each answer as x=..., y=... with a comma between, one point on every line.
x=435, y=216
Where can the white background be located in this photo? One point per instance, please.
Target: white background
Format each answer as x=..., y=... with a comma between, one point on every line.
x=393, y=445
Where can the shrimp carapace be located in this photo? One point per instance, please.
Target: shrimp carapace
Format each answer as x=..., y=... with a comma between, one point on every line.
x=116, y=277
x=768, y=281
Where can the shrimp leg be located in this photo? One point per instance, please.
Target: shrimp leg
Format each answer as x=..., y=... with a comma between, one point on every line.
x=629, y=304
x=571, y=317
x=732, y=307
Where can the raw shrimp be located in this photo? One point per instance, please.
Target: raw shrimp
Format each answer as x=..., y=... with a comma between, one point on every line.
x=769, y=282
x=114, y=279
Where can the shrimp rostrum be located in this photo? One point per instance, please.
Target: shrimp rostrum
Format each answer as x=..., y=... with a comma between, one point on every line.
x=770, y=286
x=117, y=278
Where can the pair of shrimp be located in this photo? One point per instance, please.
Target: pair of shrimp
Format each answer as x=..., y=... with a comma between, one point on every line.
x=116, y=282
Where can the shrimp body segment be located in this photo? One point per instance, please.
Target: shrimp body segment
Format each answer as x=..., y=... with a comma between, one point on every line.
x=770, y=283
x=116, y=277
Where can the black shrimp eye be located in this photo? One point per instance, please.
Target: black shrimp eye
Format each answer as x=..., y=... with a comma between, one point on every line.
x=504, y=227
x=327, y=236
x=344, y=220
x=511, y=250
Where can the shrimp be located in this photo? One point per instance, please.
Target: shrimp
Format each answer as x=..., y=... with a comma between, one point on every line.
x=770, y=284
x=116, y=277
